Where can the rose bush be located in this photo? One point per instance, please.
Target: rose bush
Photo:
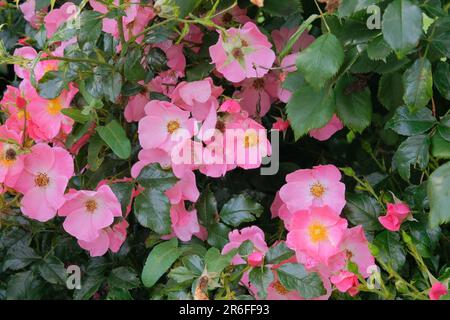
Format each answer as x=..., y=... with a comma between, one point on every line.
x=134, y=136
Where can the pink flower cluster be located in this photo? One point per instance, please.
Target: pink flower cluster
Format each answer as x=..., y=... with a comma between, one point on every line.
x=33, y=160
x=192, y=133
x=135, y=20
x=41, y=175
x=26, y=109
x=89, y=217
x=395, y=215
x=310, y=204
x=275, y=290
x=244, y=57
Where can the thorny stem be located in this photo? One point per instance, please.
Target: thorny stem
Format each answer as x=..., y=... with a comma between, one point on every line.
x=393, y=274
x=322, y=16
x=82, y=60
x=224, y=10
x=153, y=26
x=120, y=26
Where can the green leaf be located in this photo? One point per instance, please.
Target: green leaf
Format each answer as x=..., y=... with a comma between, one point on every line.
x=90, y=285
x=67, y=30
x=293, y=276
x=186, y=6
x=43, y=4
x=321, y=60
x=240, y=209
x=278, y=253
x=293, y=82
x=159, y=34
x=439, y=195
x=124, y=278
x=425, y=238
x=440, y=37
x=364, y=65
x=97, y=266
x=390, y=90
x=442, y=79
x=215, y=262
x=51, y=84
x=296, y=35
x=418, y=84
x=77, y=132
x=309, y=109
x=156, y=60
x=378, y=49
x=53, y=270
x=402, y=26
x=181, y=274
x=348, y=7
x=194, y=263
x=133, y=69
x=261, y=278
x=444, y=127
x=354, y=108
x=118, y=294
x=153, y=176
x=11, y=236
x=151, y=206
x=408, y=123
x=390, y=249
x=24, y=286
x=115, y=137
x=19, y=256
x=159, y=261
x=123, y=191
x=76, y=115
x=199, y=71
x=206, y=207
x=90, y=27
x=246, y=248
x=95, y=146
x=361, y=209
x=111, y=85
x=412, y=151
x=218, y=235
x=282, y=8
x=440, y=148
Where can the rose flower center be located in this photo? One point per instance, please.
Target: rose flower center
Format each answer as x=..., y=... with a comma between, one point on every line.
x=317, y=232
x=237, y=53
x=10, y=155
x=42, y=180
x=172, y=126
x=317, y=190
x=91, y=205
x=251, y=140
x=54, y=107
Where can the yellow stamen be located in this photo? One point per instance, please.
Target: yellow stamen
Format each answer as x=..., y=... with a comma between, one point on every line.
x=91, y=205
x=317, y=232
x=21, y=113
x=250, y=140
x=54, y=107
x=8, y=158
x=317, y=190
x=172, y=126
x=42, y=180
